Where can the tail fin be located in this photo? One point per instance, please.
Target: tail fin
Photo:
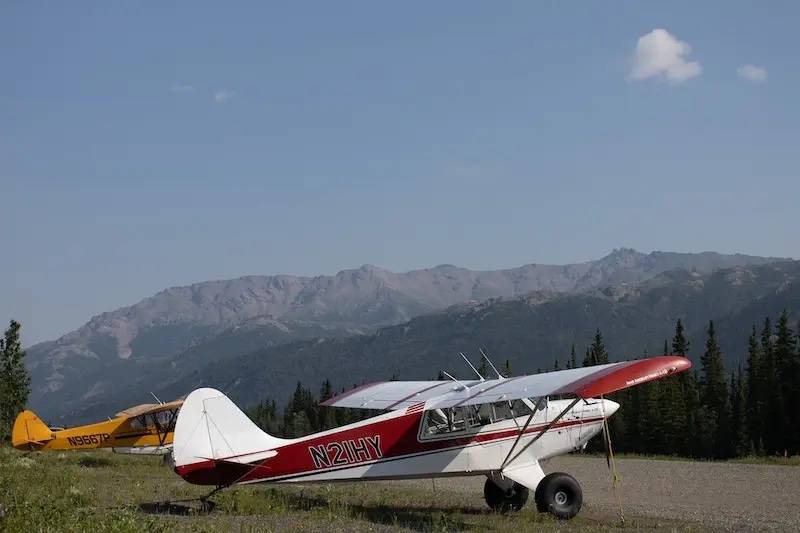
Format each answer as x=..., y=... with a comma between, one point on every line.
x=29, y=432
x=211, y=431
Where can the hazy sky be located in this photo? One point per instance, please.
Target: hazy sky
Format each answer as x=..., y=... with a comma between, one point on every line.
x=150, y=145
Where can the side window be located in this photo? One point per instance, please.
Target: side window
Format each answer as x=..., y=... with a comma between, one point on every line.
x=443, y=422
x=138, y=422
x=165, y=420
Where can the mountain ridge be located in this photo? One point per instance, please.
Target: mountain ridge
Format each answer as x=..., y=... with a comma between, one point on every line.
x=358, y=301
x=529, y=330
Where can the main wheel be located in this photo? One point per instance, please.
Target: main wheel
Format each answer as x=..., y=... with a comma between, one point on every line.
x=500, y=500
x=559, y=494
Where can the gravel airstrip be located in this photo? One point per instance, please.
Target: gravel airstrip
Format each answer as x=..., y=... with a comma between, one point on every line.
x=718, y=496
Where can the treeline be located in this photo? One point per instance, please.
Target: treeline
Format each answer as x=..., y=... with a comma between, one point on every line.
x=711, y=412
x=707, y=412
x=303, y=414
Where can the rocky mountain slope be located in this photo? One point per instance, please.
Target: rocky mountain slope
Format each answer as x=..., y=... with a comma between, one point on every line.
x=529, y=330
x=359, y=300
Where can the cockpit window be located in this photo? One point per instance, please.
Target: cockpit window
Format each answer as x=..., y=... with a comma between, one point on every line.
x=457, y=420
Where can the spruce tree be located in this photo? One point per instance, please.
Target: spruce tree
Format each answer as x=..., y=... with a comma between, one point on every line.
x=15, y=381
x=483, y=369
x=740, y=442
x=714, y=396
x=754, y=391
x=782, y=408
x=769, y=384
x=597, y=351
x=678, y=392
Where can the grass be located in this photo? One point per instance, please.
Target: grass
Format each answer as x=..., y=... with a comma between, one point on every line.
x=98, y=491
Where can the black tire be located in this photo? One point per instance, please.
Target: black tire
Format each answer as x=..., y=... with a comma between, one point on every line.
x=559, y=494
x=498, y=500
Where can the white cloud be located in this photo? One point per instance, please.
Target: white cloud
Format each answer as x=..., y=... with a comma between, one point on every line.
x=662, y=56
x=221, y=97
x=752, y=73
x=183, y=88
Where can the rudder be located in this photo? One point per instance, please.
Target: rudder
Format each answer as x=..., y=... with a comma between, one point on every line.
x=211, y=429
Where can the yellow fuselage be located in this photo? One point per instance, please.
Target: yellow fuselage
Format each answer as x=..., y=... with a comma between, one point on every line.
x=30, y=433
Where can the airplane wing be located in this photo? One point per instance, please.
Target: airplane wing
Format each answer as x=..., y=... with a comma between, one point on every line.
x=585, y=382
x=391, y=395
x=147, y=408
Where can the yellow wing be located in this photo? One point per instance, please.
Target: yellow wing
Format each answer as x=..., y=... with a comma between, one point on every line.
x=148, y=408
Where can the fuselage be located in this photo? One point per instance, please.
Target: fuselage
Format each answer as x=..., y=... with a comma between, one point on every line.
x=410, y=443
x=138, y=435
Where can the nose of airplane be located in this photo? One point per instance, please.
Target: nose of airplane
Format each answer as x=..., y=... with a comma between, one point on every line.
x=610, y=407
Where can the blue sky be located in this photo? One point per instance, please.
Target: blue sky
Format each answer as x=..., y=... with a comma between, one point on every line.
x=153, y=145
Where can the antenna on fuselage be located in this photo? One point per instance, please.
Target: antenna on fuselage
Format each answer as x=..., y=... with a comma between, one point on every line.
x=499, y=376
x=156, y=397
x=472, y=367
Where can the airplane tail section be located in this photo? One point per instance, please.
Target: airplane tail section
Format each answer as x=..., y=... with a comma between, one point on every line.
x=215, y=443
x=29, y=432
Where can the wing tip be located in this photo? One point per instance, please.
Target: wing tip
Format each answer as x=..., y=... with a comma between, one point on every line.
x=635, y=372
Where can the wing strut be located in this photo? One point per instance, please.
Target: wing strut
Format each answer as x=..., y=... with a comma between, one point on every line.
x=538, y=436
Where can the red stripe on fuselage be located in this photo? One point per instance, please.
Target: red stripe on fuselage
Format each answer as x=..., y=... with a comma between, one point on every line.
x=386, y=440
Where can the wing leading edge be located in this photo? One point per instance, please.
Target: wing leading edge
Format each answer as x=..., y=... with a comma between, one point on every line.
x=585, y=382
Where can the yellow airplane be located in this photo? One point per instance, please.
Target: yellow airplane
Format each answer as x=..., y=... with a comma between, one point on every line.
x=145, y=429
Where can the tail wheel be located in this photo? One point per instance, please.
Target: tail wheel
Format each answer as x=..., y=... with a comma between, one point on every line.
x=503, y=501
x=559, y=494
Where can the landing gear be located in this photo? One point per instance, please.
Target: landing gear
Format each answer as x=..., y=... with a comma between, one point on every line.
x=559, y=494
x=206, y=505
x=503, y=500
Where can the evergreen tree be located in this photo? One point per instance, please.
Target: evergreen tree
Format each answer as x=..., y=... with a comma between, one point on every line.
x=754, y=401
x=714, y=396
x=769, y=384
x=597, y=351
x=685, y=392
x=573, y=360
x=327, y=415
x=738, y=418
x=783, y=401
x=14, y=379
x=506, y=369
x=483, y=369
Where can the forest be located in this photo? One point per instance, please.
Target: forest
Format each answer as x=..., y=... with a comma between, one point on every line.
x=709, y=412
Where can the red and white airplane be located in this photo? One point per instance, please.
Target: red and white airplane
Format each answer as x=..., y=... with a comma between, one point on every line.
x=500, y=428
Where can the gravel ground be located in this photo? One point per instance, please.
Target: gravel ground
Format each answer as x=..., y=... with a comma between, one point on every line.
x=720, y=496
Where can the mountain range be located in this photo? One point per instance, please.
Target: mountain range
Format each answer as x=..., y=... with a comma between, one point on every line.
x=255, y=336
